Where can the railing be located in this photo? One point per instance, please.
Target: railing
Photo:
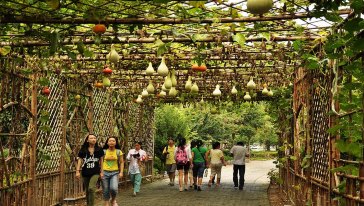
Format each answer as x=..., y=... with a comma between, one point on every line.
x=48, y=189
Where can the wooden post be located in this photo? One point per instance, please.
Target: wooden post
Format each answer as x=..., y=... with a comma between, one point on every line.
x=90, y=115
x=32, y=201
x=334, y=154
x=63, y=144
x=361, y=170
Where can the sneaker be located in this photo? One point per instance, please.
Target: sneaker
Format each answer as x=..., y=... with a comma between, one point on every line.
x=240, y=188
x=134, y=194
x=199, y=188
x=115, y=203
x=236, y=187
x=195, y=187
x=181, y=189
x=191, y=186
x=186, y=188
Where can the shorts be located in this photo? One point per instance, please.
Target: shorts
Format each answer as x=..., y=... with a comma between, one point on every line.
x=198, y=169
x=170, y=168
x=216, y=169
x=184, y=167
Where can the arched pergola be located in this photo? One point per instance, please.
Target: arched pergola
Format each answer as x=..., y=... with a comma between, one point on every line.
x=52, y=44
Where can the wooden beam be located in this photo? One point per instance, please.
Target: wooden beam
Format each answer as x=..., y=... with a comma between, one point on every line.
x=146, y=21
x=146, y=40
x=33, y=142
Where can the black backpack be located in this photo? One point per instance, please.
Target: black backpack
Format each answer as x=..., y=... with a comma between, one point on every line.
x=164, y=156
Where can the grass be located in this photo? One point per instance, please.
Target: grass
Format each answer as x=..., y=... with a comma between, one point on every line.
x=263, y=155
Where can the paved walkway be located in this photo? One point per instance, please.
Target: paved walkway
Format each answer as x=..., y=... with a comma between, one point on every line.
x=161, y=194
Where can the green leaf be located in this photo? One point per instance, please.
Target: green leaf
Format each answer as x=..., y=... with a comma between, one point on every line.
x=43, y=99
x=158, y=42
x=26, y=71
x=334, y=17
x=54, y=42
x=43, y=81
x=265, y=35
x=334, y=129
x=358, y=6
x=80, y=47
x=161, y=50
x=197, y=4
x=45, y=128
x=353, y=25
x=297, y=45
x=88, y=53
x=234, y=13
x=5, y=50
x=240, y=39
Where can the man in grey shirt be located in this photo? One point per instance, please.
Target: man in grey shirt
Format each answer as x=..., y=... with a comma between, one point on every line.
x=239, y=152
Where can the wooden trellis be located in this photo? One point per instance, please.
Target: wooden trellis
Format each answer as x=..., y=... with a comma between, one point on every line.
x=48, y=176
x=309, y=177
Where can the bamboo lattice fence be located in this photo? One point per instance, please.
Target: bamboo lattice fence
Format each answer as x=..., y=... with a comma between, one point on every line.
x=48, y=177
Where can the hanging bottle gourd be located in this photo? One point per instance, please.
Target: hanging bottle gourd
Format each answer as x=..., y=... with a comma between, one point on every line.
x=164, y=88
x=270, y=93
x=139, y=99
x=194, y=88
x=113, y=56
x=163, y=69
x=247, y=97
x=173, y=78
x=145, y=93
x=106, y=82
x=162, y=94
x=259, y=6
x=217, y=91
x=172, y=92
x=150, y=70
x=265, y=90
x=168, y=82
x=150, y=87
x=234, y=91
x=188, y=84
x=202, y=101
x=251, y=85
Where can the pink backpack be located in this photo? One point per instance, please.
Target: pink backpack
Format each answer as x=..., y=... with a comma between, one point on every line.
x=181, y=156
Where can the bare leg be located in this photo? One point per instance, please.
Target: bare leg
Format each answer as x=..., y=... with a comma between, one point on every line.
x=180, y=180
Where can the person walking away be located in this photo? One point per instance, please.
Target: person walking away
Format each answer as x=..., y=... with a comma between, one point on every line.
x=183, y=160
x=198, y=156
x=89, y=158
x=190, y=171
x=239, y=152
x=170, y=161
x=216, y=162
x=112, y=170
x=137, y=157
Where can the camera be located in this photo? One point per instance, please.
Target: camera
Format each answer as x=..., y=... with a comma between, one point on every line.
x=137, y=155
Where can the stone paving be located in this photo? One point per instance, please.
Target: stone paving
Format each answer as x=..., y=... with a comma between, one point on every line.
x=161, y=194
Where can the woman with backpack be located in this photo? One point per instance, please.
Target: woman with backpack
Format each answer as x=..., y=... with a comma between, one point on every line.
x=112, y=170
x=198, y=156
x=183, y=160
x=216, y=162
x=137, y=157
x=89, y=159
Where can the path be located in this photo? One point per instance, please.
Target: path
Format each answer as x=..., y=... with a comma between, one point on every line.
x=160, y=194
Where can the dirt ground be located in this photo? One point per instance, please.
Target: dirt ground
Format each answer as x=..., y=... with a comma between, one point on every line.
x=276, y=197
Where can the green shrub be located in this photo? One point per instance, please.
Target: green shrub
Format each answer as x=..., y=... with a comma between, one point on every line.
x=263, y=155
x=158, y=165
